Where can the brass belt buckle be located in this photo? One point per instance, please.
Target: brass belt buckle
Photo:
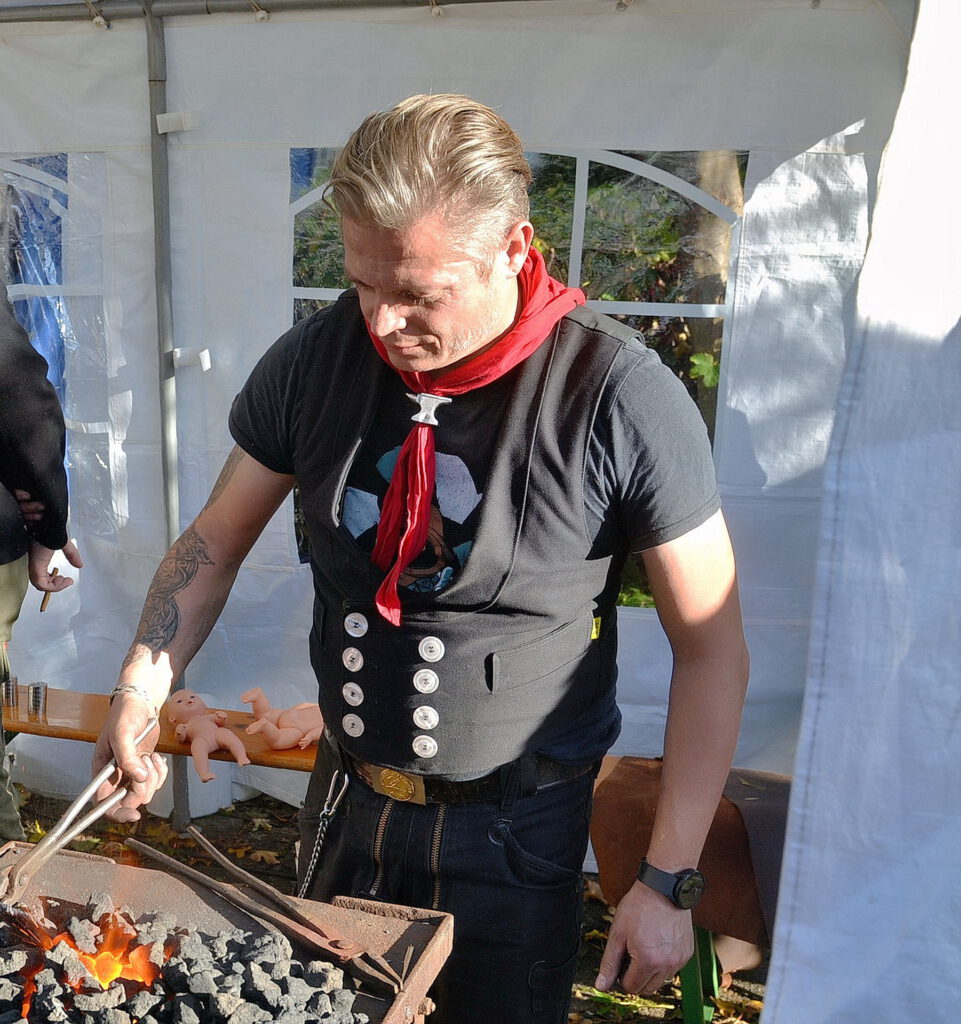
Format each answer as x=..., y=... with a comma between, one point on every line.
x=397, y=785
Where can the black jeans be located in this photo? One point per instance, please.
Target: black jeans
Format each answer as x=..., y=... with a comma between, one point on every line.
x=509, y=872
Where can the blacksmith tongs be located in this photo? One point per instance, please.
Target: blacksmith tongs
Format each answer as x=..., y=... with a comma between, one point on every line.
x=15, y=879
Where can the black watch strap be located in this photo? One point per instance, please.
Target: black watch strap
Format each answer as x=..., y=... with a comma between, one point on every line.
x=684, y=889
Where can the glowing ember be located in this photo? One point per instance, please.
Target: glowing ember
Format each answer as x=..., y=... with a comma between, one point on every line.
x=117, y=955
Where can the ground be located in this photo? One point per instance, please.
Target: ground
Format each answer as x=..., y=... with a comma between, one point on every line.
x=260, y=834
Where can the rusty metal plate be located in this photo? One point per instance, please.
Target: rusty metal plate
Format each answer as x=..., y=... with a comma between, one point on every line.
x=383, y=928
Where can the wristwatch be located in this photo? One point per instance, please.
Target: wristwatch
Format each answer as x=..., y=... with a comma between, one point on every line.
x=683, y=889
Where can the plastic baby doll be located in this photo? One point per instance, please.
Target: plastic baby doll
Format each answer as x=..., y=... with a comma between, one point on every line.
x=283, y=728
x=204, y=730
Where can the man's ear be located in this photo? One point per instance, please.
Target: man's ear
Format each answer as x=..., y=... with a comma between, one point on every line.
x=517, y=245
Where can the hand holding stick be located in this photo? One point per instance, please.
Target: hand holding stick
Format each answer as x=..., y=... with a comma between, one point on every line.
x=46, y=596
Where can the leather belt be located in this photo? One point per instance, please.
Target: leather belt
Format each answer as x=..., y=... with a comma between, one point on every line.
x=424, y=789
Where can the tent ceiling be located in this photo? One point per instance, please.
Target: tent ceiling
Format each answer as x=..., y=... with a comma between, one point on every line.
x=901, y=11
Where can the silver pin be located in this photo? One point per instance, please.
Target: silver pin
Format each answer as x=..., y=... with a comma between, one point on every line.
x=429, y=404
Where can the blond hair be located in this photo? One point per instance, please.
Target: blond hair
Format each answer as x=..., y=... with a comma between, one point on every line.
x=443, y=154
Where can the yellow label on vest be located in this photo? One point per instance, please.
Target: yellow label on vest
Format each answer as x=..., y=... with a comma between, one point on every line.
x=596, y=628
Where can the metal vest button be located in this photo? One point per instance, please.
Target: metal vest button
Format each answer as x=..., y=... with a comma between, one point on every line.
x=356, y=624
x=426, y=717
x=426, y=680
x=431, y=649
x=353, y=659
x=353, y=694
x=424, y=746
x=353, y=725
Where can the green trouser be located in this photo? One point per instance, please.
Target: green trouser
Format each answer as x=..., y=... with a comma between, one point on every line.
x=13, y=586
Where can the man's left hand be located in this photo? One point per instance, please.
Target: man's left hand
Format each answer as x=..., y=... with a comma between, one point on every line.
x=38, y=566
x=648, y=943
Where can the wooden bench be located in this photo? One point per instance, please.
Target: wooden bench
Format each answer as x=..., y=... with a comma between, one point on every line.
x=79, y=716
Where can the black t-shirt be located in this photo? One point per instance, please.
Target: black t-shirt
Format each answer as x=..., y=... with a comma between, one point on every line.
x=648, y=474
x=648, y=477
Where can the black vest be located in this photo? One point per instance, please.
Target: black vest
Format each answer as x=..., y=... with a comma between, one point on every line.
x=518, y=647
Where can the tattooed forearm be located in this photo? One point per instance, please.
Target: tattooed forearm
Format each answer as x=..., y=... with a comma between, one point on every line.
x=233, y=461
x=160, y=620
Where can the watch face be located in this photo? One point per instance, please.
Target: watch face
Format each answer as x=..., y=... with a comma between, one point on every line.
x=689, y=890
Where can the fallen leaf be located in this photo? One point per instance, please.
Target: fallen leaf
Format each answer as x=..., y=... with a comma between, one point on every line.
x=239, y=851
x=35, y=832
x=596, y=933
x=160, y=831
x=260, y=825
x=620, y=1000
x=592, y=891
x=740, y=1011
x=87, y=844
x=265, y=857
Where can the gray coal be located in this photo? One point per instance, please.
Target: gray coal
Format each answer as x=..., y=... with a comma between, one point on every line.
x=232, y=977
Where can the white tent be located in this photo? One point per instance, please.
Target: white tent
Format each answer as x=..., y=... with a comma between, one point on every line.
x=845, y=654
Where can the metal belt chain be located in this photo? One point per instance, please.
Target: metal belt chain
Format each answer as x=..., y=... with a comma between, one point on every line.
x=328, y=811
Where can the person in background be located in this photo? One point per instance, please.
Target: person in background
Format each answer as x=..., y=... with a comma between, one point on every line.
x=477, y=455
x=32, y=441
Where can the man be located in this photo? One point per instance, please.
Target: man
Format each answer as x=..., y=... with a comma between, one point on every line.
x=31, y=464
x=466, y=568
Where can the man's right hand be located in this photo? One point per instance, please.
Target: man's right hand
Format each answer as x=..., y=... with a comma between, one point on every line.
x=185, y=597
x=140, y=770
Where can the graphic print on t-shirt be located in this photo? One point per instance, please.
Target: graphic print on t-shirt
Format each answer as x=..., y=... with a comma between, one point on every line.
x=451, y=529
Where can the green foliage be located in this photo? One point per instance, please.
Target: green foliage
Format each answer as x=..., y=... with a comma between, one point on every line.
x=705, y=368
x=318, y=258
x=635, y=588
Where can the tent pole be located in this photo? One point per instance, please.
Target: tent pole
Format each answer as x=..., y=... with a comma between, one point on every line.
x=115, y=9
x=160, y=182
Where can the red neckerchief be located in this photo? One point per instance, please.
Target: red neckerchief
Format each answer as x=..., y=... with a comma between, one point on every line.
x=545, y=301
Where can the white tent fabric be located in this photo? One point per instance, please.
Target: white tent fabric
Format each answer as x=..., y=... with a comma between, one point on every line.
x=869, y=917
x=809, y=90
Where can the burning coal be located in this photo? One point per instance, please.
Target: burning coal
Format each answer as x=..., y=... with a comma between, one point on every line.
x=101, y=966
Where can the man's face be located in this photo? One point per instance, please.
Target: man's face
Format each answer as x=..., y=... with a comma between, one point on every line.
x=425, y=297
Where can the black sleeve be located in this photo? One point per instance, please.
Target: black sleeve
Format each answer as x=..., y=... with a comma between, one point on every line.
x=32, y=437
x=262, y=417
x=651, y=455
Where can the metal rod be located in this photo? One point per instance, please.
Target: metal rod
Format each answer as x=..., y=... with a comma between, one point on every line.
x=163, y=286
x=117, y=9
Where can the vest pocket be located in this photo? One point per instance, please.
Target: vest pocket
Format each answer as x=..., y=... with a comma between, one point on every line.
x=517, y=666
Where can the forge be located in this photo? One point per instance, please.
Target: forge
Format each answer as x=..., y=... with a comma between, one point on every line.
x=123, y=945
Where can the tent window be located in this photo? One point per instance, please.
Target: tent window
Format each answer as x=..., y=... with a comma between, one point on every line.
x=648, y=236
x=51, y=260
x=32, y=208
